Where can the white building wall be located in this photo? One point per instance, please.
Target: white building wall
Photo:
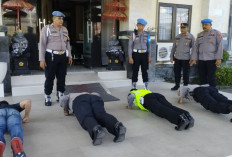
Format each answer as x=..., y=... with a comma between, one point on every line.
x=139, y=9
x=219, y=12
x=148, y=9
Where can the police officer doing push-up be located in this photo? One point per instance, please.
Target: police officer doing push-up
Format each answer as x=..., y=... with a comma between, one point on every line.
x=54, y=48
x=158, y=104
x=180, y=54
x=208, y=50
x=209, y=97
x=139, y=51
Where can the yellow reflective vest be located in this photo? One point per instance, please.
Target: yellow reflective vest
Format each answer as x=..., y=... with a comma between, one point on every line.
x=140, y=93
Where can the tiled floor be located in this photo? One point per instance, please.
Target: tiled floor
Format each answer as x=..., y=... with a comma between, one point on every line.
x=51, y=134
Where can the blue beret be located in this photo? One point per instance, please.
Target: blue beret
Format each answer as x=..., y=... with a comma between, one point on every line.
x=206, y=21
x=142, y=21
x=58, y=13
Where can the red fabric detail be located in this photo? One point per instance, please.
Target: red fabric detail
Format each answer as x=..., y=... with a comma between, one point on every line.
x=2, y=148
x=17, y=145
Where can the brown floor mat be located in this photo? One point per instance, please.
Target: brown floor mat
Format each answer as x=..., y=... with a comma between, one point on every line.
x=90, y=88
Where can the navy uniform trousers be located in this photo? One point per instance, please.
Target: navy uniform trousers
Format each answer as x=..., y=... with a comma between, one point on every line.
x=211, y=100
x=178, y=65
x=157, y=104
x=90, y=112
x=140, y=59
x=207, y=72
x=55, y=68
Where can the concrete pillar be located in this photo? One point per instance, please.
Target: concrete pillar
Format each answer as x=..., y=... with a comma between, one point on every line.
x=0, y=13
x=5, y=57
x=139, y=9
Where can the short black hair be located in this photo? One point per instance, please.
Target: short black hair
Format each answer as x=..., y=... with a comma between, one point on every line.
x=4, y=102
x=133, y=89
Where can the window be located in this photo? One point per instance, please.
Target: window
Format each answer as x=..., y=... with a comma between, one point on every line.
x=170, y=18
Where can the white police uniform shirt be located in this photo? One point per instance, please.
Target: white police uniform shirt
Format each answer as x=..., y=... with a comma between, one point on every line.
x=54, y=39
x=182, y=46
x=208, y=46
x=66, y=101
x=140, y=42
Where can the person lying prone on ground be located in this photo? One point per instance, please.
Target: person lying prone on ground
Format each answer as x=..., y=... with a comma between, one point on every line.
x=92, y=116
x=157, y=104
x=207, y=96
x=11, y=121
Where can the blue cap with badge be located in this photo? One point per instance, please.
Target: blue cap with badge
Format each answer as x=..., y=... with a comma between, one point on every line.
x=184, y=25
x=206, y=21
x=142, y=21
x=58, y=13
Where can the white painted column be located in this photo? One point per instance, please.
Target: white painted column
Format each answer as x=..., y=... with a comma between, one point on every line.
x=139, y=9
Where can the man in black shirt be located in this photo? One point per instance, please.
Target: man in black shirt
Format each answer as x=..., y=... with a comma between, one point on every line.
x=11, y=121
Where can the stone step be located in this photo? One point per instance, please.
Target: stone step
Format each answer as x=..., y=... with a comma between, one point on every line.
x=111, y=75
x=39, y=88
x=34, y=84
x=39, y=79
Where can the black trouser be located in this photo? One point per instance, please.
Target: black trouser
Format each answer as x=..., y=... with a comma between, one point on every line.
x=90, y=112
x=211, y=100
x=140, y=59
x=55, y=68
x=207, y=72
x=178, y=65
x=157, y=104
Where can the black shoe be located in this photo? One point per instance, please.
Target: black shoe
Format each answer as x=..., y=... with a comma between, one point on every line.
x=48, y=103
x=191, y=121
x=176, y=87
x=182, y=123
x=20, y=154
x=120, y=132
x=58, y=95
x=230, y=108
x=98, y=134
x=229, y=101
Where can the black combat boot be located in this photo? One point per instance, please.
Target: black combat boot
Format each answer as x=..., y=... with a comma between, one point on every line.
x=191, y=121
x=176, y=87
x=183, y=122
x=98, y=134
x=59, y=94
x=134, y=86
x=120, y=132
x=48, y=100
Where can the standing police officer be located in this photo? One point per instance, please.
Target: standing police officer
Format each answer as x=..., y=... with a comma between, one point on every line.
x=139, y=51
x=180, y=54
x=208, y=50
x=54, y=48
